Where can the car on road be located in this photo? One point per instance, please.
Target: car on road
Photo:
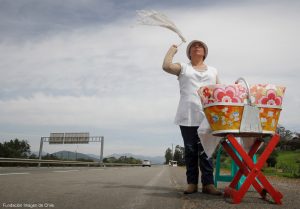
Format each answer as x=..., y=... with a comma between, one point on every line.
x=173, y=163
x=146, y=163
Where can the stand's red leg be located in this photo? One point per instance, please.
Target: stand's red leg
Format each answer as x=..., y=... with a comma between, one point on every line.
x=276, y=195
x=250, y=170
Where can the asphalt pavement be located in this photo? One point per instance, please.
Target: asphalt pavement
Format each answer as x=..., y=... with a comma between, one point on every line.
x=156, y=187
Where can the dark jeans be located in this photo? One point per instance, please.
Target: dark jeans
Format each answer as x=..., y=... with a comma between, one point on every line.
x=195, y=156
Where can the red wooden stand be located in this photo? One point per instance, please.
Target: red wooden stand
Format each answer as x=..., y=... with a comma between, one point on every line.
x=248, y=168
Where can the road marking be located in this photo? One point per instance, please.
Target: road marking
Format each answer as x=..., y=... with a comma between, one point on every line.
x=64, y=171
x=176, y=185
x=7, y=174
x=141, y=198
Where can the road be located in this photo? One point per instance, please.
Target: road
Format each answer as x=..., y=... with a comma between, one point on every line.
x=121, y=188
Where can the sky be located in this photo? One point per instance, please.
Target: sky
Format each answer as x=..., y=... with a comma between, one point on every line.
x=87, y=66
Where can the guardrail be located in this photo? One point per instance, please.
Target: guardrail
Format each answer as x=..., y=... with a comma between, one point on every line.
x=61, y=162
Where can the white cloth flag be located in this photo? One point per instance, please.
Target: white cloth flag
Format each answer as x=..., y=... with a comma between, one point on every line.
x=154, y=18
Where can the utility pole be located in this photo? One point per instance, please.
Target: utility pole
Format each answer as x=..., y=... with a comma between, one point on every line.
x=101, y=151
x=40, y=152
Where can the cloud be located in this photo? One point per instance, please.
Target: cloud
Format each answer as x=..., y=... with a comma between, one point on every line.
x=129, y=124
x=33, y=20
x=93, y=59
x=104, y=72
x=84, y=111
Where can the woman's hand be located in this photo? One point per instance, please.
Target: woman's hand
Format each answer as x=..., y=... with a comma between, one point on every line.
x=174, y=48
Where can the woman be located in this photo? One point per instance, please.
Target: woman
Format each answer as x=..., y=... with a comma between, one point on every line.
x=191, y=77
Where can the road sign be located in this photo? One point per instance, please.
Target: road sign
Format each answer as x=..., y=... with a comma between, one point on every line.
x=56, y=138
x=76, y=138
x=72, y=138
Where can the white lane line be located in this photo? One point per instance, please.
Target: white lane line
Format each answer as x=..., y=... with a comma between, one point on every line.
x=141, y=198
x=7, y=174
x=64, y=171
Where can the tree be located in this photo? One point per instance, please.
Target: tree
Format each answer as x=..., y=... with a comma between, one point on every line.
x=281, y=130
x=288, y=140
x=272, y=160
x=15, y=149
x=33, y=156
x=179, y=155
x=109, y=160
x=168, y=155
x=50, y=157
x=122, y=159
x=294, y=144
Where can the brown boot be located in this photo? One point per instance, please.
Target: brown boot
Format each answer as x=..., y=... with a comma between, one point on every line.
x=211, y=189
x=191, y=188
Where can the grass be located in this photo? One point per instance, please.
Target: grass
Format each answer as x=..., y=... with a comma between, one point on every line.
x=288, y=164
x=290, y=157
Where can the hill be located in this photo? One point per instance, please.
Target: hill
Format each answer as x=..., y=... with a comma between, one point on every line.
x=154, y=160
x=68, y=155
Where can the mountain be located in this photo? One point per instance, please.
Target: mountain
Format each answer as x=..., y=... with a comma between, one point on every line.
x=68, y=155
x=154, y=160
x=37, y=153
x=94, y=156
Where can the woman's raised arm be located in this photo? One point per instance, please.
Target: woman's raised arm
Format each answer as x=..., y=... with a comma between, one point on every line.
x=168, y=65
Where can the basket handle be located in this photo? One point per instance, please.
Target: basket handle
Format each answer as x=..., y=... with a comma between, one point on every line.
x=247, y=87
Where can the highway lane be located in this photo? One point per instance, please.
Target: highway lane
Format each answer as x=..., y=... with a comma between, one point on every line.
x=114, y=187
x=119, y=188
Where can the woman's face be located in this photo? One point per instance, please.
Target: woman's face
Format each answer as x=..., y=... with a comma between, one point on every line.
x=197, y=50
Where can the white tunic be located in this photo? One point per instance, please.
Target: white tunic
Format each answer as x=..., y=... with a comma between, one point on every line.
x=190, y=111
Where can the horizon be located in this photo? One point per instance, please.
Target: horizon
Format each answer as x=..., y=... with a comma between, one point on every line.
x=121, y=154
